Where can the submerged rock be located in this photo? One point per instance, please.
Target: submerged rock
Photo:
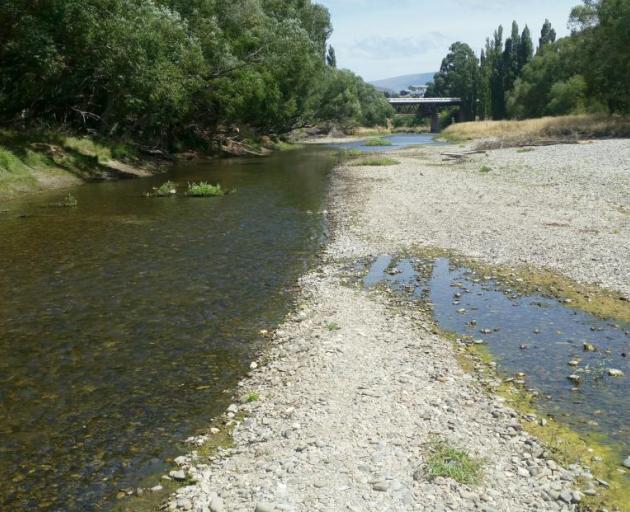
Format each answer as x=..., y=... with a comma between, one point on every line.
x=615, y=373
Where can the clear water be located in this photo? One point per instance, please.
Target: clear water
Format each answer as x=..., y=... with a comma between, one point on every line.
x=398, y=142
x=123, y=321
x=532, y=334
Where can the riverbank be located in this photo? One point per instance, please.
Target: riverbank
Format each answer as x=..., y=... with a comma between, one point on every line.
x=344, y=411
x=36, y=162
x=539, y=131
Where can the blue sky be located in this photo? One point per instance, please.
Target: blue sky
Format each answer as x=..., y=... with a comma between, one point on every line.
x=386, y=38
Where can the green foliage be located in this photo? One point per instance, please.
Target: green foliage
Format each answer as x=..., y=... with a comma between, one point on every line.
x=411, y=121
x=377, y=141
x=587, y=72
x=602, y=27
x=349, y=102
x=375, y=161
x=331, y=57
x=448, y=462
x=166, y=71
x=204, y=189
x=332, y=326
x=547, y=36
x=252, y=397
x=350, y=153
x=485, y=169
x=458, y=77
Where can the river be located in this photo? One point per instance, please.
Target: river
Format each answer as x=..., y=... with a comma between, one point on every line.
x=124, y=320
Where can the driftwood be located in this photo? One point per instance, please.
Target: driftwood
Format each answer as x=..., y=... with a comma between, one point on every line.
x=157, y=153
x=505, y=144
x=234, y=147
x=459, y=156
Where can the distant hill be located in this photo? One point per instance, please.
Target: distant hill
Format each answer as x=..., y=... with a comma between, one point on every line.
x=399, y=83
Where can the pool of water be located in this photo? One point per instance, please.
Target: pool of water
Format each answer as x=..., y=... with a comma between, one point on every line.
x=398, y=142
x=532, y=334
x=124, y=320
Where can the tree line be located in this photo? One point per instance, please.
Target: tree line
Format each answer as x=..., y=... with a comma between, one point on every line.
x=585, y=72
x=173, y=71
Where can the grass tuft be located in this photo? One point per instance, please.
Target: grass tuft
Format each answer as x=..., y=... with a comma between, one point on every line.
x=376, y=161
x=377, y=141
x=350, y=153
x=485, y=169
x=449, y=462
x=252, y=397
x=204, y=189
x=333, y=326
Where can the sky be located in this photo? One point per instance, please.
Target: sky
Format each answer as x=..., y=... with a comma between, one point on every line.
x=385, y=38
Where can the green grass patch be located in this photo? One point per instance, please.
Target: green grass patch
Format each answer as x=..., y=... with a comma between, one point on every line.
x=333, y=326
x=450, y=462
x=35, y=160
x=376, y=161
x=252, y=397
x=350, y=153
x=485, y=169
x=204, y=189
x=164, y=190
x=377, y=141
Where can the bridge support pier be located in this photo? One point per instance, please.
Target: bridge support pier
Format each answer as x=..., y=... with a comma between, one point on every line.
x=435, y=122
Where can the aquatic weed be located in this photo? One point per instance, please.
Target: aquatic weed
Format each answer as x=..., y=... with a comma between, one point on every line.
x=204, y=189
x=377, y=141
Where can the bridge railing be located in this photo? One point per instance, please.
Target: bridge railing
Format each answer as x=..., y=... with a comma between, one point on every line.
x=421, y=101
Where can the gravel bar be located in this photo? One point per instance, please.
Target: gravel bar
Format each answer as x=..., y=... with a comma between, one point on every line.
x=355, y=385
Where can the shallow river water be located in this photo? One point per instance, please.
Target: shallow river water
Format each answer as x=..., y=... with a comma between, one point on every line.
x=532, y=334
x=122, y=321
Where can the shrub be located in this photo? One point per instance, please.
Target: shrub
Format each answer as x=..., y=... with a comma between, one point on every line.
x=204, y=189
x=378, y=141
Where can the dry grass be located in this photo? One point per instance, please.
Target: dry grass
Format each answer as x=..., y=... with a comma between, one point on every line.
x=541, y=129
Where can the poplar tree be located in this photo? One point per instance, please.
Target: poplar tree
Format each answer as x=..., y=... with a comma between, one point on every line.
x=547, y=36
x=496, y=79
x=331, y=58
x=525, y=49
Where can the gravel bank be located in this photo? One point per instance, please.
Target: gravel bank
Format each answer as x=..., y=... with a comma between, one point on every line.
x=344, y=417
x=565, y=208
x=355, y=385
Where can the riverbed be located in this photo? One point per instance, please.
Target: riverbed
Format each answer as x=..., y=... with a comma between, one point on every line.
x=123, y=321
x=358, y=383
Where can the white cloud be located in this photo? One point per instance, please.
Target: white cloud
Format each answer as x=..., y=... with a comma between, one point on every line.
x=397, y=47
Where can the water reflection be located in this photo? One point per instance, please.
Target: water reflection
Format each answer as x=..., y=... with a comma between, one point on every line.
x=532, y=334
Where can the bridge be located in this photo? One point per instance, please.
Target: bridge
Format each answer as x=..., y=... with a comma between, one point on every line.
x=424, y=106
